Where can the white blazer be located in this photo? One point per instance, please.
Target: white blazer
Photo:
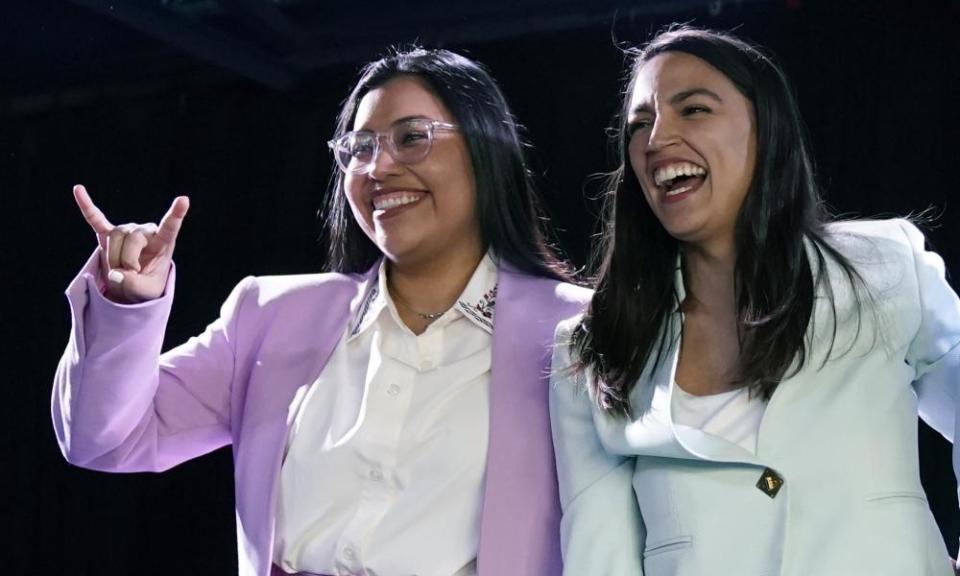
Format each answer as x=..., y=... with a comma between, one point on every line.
x=649, y=496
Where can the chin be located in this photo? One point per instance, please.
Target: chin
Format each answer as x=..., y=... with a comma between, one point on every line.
x=685, y=234
x=397, y=251
x=676, y=228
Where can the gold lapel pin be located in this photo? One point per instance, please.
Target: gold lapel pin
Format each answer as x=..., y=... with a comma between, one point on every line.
x=770, y=482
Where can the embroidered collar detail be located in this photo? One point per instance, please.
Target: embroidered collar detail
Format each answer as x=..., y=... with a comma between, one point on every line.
x=481, y=312
x=477, y=302
x=358, y=322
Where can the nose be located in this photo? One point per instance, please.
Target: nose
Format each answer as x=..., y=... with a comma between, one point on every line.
x=663, y=133
x=383, y=163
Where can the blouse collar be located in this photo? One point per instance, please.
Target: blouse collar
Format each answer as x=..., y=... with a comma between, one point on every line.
x=477, y=302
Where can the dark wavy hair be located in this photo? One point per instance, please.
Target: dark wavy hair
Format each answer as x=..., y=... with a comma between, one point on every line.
x=511, y=221
x=628, y=320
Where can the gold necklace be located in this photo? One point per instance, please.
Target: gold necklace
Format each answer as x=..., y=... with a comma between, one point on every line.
x=428, y=316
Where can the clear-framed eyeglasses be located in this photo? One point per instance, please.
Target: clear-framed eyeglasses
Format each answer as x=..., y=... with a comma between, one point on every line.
x=407, y=142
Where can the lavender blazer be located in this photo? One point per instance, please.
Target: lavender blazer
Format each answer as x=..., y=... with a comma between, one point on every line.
x=119, y=405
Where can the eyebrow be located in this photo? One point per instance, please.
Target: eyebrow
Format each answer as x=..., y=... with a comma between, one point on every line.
x=399, y=121
x=409, y=118
x=681, y=96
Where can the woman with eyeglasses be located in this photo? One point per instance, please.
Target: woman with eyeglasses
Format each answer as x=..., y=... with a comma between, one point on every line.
x=741, y=396
x=388, y=417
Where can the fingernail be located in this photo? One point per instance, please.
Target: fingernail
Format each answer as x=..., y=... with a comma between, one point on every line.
x=115, y=276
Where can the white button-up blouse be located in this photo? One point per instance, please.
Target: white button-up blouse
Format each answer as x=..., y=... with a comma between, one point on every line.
x=384, y=468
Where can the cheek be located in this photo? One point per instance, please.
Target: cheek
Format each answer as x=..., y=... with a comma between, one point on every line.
x=459, y=200
x=452, y=181
x=637, y=155
x=638, y=161
x=741, y=158
x=353, y=190
x=460, y=170
x=750, y=154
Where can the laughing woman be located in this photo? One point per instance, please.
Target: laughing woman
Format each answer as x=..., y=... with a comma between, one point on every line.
x=389, y=417
x=741, y=396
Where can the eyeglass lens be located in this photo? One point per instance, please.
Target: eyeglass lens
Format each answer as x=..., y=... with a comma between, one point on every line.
x=407, y=143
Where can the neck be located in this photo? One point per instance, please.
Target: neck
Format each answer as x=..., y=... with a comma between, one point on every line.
x=432, y=286
x=708, y=273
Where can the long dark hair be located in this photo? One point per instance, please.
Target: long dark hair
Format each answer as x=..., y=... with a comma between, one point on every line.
x=628, y=322
x=511, y=221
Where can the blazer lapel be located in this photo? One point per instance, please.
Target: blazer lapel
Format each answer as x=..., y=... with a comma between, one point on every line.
x=654, y=432
x=691, y=442
x=257, y=468
x=520, y=523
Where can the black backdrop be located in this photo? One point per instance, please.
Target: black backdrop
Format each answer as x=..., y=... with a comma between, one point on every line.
x=877, y=84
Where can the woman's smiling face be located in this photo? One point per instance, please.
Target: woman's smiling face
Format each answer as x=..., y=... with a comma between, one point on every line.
x=692, y=145
x=414, y=212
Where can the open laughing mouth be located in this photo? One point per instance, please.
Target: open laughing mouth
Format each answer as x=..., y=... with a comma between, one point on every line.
x=389, y=202
x=677, y=179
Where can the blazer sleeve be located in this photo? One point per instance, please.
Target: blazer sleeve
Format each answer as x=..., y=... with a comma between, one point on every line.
x=601, y=530
x=118, y=404
x=934, y=352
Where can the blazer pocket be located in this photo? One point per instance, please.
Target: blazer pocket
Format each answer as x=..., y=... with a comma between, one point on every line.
x=896, y=496
x=903, y=535
x=667, y=545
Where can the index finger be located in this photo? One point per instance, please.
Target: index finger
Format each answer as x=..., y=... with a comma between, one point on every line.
x=173, y=219
x=91, y=213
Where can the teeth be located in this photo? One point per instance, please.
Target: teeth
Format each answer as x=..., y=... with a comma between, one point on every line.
x=667, y=173
x=678, y=191
x=670, y=173
x=388, y=202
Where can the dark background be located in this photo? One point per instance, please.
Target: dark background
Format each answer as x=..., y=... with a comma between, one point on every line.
x=232, y=101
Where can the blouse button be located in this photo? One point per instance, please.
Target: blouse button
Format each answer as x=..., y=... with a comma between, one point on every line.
x=393, y=390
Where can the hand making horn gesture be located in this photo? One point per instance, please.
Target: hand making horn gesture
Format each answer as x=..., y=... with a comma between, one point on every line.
x=134, y=258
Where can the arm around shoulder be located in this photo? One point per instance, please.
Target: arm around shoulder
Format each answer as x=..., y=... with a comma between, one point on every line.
x=602, y=532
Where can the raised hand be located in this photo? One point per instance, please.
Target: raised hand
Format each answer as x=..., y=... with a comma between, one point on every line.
x=134, y=258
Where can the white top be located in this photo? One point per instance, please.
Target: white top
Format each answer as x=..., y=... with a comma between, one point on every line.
x=734, y=416
x=385, y=461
